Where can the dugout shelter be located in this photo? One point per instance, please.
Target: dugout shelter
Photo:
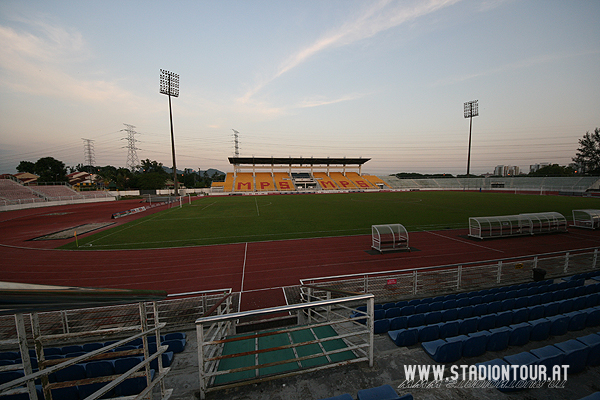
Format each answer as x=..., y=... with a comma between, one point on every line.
x=389, y=237
x=589, y=219
x=515, y=225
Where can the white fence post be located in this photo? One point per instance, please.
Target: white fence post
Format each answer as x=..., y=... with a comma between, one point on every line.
x=499, y=277
x=566, y=263
x=459, y=277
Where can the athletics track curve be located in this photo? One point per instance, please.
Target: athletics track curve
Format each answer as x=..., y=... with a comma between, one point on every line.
x=257, y=269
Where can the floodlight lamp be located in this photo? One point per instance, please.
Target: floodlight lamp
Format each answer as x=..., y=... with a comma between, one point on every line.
x=169, y=83
x=471, y=109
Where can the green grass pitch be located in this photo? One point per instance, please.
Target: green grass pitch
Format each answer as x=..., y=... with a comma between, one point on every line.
x=234, y=219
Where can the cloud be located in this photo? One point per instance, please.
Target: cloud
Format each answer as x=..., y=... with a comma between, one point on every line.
x=38, y=61
x=316, y=102
x=379, y=17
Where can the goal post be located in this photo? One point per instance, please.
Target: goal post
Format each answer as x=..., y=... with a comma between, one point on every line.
x=389, y=237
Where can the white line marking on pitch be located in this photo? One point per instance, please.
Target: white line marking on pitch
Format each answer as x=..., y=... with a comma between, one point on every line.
x=243, y=275
x=465, y=242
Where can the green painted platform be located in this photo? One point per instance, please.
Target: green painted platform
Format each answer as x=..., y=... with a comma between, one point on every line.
x=253, y=342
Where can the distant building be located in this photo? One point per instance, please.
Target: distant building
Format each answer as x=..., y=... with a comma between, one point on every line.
x=537, y=167
x=507, y=170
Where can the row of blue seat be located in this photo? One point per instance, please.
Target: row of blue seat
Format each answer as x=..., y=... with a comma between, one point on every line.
x=576, y=353
x=530, y=308
x=527, y=299
x=384, y=392
x=560, y=323
x=585, y=275
x=88, y=347
x=534, y=286
x=474, y=344
x=129, y=387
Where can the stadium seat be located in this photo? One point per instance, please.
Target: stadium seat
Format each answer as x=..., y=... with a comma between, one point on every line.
x=499, y=338
x=379, y=326
x=416, y=320
x=86, y=390
x=520, y=315
x=465, y=312
x=428, y=333
x=593, y=317
x=504, y=318
x=392, y=312
x=71, y=373
x=549, y=356
x=178, y=345
x=476, y=344
x=404, y=337
x=535, y=312
x=445, y=350
x=449, y=314
x=407, y=310
x=494, y=307
x=95, y=369
x=592, y=341
x=379, y=314
x=132, y=386
x=565, y=306
x=577, y=320
x=479, y=309
x=88, y=347
x=385, y=392
x=71, y=349
x=576, y=354
x=387, y=306
x=486, y=322
x=421, y=308
x=398, y=323
x=559, y=325
x=524, y=358
x=540, y=329
x=448, y=329
x=550, y=309
x=433, y=317
x=124, y=364
x=468, y=325
x=519, y=334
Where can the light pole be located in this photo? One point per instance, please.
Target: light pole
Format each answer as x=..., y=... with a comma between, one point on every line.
x=471, y=110
x=169, y=85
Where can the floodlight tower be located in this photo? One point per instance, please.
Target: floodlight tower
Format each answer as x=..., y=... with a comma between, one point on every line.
x=471, y=110
x=169, y=85
x=236, y=143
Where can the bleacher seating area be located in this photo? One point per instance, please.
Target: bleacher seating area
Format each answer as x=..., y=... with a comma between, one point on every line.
x=12, y=192
x=384, y=392
x=93, y=369
x=284, y=182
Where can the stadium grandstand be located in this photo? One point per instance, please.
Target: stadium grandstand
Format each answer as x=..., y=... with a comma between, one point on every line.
x=14, y=194
x=298, y=174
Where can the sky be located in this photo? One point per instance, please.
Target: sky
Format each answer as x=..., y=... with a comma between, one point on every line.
x=384, y=80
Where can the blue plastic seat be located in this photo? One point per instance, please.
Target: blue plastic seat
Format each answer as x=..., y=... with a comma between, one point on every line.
x=559, y=324
x=520, y=315
x=486, y=322
x=132, y=386
x=479, y=309
x=534, y=300
x=415, y=320
x=86, y=390
x=449, y=315
x=422, y=308
x=550, y=309
x=448, y=304
x=521, y=302
x=521, y=359
x=504, y=318
x=494, y=307
x=178, y=345
x=436, y=306
x=385, y=392
x=476, y=344
x=94, y=369
x=71, y=373
x=592, y=341
x=519, y=335
x=404, y=337
x=167, y=360
x=448, y=329
x=508, y=304
x=71, y=349
x=593, y=317
x=433, y=317
x=392, y=312
x=540, y=329
x=377, y=314
x=465, y=312
x=576, y=354
x=475, y=300
x=535, y=312
x=549, y=356
x=414, y=302
x=402, y=303
x=387, y=306
x=398, y=323
x=498, y=339
x=92, y=346
x=579, y=303
x=463, y=302
x=124, y=364
x=565, y=306
x=577, y=320
x=175, y=335
x=407, y=310
x=445, y=350
x=379, y=326
x=468, y=325
x=428, y=333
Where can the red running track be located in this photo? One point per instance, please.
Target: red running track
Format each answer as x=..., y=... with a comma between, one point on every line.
x=259, y=269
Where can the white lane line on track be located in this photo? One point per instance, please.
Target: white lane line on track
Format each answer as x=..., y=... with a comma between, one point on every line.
x=465, y=242
x=243, y=275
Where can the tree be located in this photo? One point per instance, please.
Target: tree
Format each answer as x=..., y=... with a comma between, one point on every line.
x=26, y=166
x=553, y=170
x=588, y=153
x=152, y=167
x=50, y=169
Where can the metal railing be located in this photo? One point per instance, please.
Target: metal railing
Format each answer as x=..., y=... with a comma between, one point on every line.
x=47, y=367
x=427, y=281
x=213, y=331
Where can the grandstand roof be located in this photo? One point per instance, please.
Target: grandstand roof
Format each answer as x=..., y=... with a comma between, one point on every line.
x=297, y=161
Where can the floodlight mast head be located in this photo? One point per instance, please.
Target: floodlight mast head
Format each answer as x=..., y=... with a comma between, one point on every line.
x=471, y=110
x=169, y=85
